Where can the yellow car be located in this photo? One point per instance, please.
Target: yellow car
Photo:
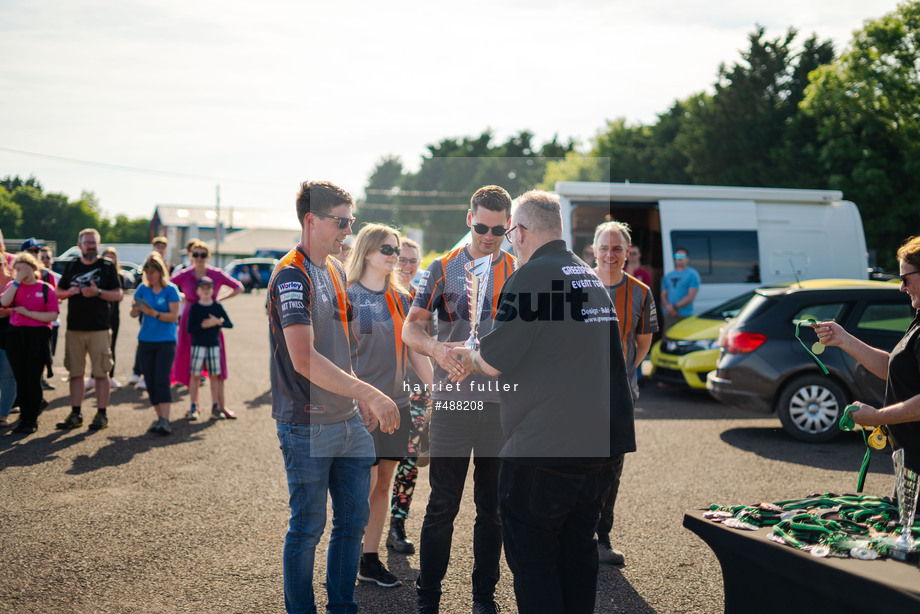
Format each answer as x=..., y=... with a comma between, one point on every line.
x=690, y=349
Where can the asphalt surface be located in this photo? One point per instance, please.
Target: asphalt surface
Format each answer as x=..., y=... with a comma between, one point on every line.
x=124, y=521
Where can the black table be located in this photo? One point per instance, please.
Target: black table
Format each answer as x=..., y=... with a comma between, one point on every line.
x=763, y=576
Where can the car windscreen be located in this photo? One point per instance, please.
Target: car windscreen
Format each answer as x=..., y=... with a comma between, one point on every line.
x=729, y=309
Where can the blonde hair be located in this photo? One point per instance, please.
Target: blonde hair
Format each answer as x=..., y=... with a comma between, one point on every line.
x=27, y=258
x=197, y=244
x=113, y=257
x=910, y=252
x=155, y=261
x=369, y=240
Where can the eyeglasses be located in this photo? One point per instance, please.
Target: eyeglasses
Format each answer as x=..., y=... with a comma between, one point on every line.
x=408, y=261
x=388, y=250
x=344, y=222
x=680, y=256
x=497, y=231
x=516, y=226
x=33, y=251
x=199, y=254
x=905, y=275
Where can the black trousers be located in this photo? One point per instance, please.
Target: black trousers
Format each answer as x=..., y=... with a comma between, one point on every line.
x=549, y=515
x=27, y=348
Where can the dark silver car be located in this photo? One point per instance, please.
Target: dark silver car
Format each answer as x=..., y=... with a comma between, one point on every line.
x=763, y=366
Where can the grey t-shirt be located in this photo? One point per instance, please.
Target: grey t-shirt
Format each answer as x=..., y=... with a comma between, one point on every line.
x=380, y=356
x=301, y=292
x=442, y=289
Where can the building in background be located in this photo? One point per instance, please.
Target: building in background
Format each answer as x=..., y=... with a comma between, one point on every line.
x=239, y=233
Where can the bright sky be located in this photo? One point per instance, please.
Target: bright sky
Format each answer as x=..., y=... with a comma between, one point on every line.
x=259, y=96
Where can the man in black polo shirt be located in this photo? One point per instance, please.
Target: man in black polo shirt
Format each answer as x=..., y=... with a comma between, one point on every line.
x=566, y=410
x=91, y=284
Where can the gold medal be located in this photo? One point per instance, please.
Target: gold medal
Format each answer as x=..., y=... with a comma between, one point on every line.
x=817, y=348
x=877, y=439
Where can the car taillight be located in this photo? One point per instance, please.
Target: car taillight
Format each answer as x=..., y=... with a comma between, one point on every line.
x=737, y=342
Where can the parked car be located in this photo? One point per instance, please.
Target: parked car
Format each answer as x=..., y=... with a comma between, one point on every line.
x=763, y=366
x=263, y=268
x=689, y=350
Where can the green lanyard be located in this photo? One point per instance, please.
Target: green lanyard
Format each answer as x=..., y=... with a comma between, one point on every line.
x=811, y=323
x=848, y=424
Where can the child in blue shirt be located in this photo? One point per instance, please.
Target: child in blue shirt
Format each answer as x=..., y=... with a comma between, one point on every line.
x=205, y=319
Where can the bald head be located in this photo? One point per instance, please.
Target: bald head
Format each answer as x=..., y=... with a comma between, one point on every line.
x=540, y=213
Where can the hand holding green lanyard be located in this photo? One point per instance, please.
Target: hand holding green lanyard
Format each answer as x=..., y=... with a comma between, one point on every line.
x=816, y=348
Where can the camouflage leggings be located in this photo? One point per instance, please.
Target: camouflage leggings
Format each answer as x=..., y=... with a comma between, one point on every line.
x=407, y=471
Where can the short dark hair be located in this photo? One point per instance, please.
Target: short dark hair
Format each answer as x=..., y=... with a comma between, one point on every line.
x=682, y=249
x=320, y=197
x=493, y=198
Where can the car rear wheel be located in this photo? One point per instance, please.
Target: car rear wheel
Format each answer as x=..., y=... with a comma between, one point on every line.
x=810, y=407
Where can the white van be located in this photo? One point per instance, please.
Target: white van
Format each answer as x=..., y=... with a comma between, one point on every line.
x=738, y=238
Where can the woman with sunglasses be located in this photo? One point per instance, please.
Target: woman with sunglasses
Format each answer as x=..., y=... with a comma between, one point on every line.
x=379, y=357
x=187, y=281
x=900, y=417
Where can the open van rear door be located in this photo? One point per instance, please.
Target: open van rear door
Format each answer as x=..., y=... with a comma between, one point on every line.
x=721, y=238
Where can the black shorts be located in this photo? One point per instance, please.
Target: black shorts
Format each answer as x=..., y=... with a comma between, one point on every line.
x=394, y=447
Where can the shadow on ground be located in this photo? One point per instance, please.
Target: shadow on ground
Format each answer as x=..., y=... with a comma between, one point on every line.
x=842, y=454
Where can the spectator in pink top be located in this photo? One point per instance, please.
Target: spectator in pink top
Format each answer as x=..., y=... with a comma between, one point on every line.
x=187, y=280
x=634, y=266
x=34, y=306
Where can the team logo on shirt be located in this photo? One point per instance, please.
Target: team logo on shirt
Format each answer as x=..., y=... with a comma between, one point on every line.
x=291, y=305
x=423, y=281
x=291, y=285
x=292, y=295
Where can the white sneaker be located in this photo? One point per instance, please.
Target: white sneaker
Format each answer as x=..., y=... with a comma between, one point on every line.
x=141, y=384
x=133, y=379
x=114, y=383
x=90, y=382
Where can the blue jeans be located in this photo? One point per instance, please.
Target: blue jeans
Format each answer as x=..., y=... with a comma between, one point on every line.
x=7, y=386
x=320, y=457
x=549, y=515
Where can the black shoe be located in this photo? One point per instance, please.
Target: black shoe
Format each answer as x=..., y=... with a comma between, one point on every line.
x=485, y=607
x=99, y=422
x=606, y=554
x=26, y=428
x=46, y=385
x=372, y=570
x=397, y=539
x=72, y=422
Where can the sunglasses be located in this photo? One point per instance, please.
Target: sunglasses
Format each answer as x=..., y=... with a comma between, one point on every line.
x=388, y=250
x=680, y=256
x=344, y=222
x=199, y=254
x=405, y=261
x=497, y=231
x=905, y=275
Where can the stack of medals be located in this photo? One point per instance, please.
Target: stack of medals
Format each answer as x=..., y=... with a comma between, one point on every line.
x=858, y=526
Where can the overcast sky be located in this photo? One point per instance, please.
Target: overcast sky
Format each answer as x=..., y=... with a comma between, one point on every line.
x=258, y=96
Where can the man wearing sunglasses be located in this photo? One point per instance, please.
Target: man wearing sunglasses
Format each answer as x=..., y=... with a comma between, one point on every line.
x=679, y=289
x=464, y=421
x=322, y=430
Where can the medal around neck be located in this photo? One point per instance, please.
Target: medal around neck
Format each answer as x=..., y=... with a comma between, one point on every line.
x=477, y=285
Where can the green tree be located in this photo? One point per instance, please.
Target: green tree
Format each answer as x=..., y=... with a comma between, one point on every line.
x=749, y=131
x=436, y=197
x=10, y=215
x=867, y=109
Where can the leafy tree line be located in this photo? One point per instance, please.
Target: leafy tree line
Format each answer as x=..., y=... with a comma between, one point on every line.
x=783, y=115
x=27, y=211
